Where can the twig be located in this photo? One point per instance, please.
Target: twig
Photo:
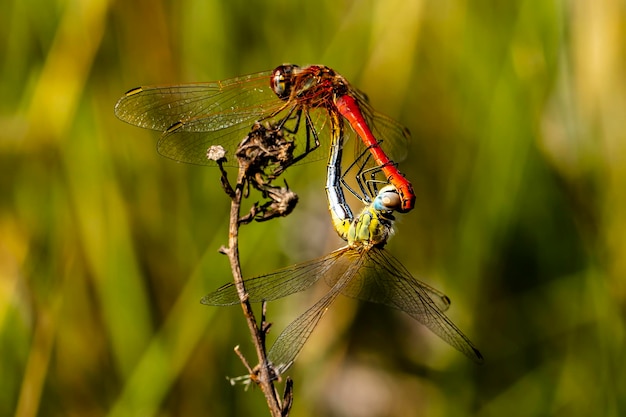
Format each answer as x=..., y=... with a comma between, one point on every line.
x=263, y=155
x=265, y=377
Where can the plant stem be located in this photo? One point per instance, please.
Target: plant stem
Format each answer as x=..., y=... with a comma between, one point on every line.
x=265, y=379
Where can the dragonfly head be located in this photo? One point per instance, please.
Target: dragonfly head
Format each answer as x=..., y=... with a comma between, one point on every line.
x=388, y=199
x=282, y=80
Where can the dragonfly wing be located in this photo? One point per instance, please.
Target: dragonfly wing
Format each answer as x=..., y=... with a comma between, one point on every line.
x=186, y=145
x=281, y=283
x=292, y=339
x=383, y=279
x=160, y=107
x=193, y=117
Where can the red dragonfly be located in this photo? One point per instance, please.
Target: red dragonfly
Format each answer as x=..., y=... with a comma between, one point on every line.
x=195, y=116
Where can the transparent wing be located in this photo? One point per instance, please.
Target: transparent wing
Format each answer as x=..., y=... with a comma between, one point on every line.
x=194, y=117
x=290, y=342
x=236, y=100
x=383, y=279
x=281, y=283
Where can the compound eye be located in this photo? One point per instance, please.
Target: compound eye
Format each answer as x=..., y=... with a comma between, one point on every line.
x=282, y=80
x=388, y=199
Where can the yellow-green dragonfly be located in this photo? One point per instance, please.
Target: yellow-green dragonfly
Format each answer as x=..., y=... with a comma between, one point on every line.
x=362, y=269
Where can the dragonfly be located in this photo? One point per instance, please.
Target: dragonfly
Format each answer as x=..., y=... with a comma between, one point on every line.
x=363, y=269
x=193, y=117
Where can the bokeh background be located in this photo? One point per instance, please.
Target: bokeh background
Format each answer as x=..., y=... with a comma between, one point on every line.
x=517, y=112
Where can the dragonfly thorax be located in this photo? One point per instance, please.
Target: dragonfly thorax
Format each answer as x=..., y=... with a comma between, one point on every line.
x=370, y=228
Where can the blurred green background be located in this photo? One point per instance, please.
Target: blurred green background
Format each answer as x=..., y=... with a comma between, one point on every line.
x=518, y=158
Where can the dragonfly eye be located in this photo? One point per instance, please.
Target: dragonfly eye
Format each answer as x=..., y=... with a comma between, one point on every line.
x=388, y=199
x=282, y=80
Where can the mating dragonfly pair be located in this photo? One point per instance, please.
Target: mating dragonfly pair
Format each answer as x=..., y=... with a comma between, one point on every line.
x=311, y=104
